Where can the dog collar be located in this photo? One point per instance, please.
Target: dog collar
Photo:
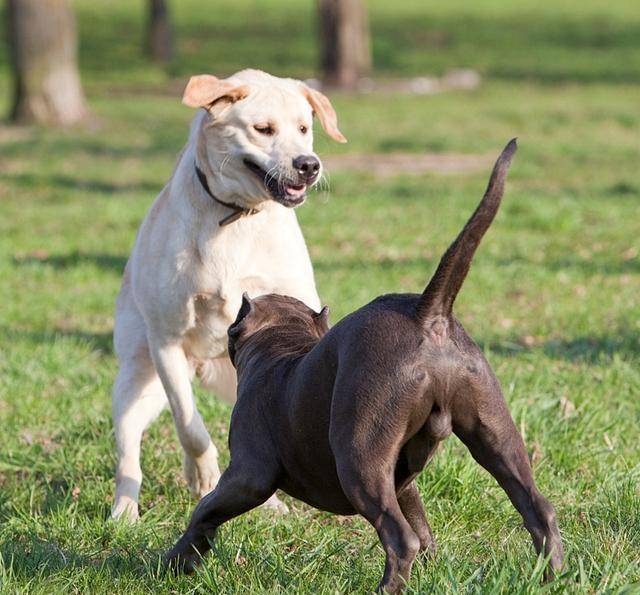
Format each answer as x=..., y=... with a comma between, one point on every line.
x=238, y=211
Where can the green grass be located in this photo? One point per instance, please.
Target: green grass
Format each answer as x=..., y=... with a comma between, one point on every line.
x=552, y=296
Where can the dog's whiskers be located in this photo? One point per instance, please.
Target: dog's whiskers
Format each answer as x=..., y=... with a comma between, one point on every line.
x=324, y=183
x=268, y=176
x=225, y=160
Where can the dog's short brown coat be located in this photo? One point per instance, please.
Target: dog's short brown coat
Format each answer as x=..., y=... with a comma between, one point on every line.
x=344, y=419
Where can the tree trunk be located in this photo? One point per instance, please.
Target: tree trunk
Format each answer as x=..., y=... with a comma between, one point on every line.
x=43, y=48
x=159, y=38
x=345, y=52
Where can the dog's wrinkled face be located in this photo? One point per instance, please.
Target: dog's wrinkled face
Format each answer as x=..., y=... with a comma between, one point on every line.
x=256, y=141
x=297, y=324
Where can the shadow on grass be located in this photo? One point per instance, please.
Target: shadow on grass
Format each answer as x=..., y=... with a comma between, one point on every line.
x=591, y=349
x=37, y=147
x=116, y=551
x=73, y=259
x=101, y=342
x=77, y=183
x=547, y=48
x=568, y=263
x=572, y=262
x=32, y=556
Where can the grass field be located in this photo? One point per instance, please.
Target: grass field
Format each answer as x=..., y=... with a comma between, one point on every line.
x=553, y=296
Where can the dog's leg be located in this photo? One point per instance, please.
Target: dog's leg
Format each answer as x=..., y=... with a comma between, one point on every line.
x=372, y=494
x=219, y=376
x=483, y=422
x=367, y=444
x=201, y=457
x=413, y=510
x=138, y=398
x=240, y=489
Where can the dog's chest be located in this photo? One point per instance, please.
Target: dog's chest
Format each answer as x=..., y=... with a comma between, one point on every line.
x=213, y=312
x=211, y=318
x=244, y=257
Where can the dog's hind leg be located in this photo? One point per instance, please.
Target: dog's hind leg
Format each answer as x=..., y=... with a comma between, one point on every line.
x=138, y=398
x=413, y=510
x=242, y=487
x=414, y=455
x=372, y=494
x=482, y=421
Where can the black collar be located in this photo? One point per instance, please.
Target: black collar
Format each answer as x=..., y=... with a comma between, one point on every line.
x=238, y=211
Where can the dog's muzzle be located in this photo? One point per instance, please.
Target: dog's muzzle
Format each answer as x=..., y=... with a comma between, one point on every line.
x=282, y=188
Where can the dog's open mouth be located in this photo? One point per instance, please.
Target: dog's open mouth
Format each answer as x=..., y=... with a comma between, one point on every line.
x=284, y=191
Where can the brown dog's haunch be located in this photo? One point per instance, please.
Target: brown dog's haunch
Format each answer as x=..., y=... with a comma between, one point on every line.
x=345, y=419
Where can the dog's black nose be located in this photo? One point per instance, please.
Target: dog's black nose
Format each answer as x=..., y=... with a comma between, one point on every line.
x=307, y=166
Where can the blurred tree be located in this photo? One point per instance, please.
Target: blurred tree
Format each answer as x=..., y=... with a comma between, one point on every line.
x=345, y=52
x=43, y=48
x=159, y=38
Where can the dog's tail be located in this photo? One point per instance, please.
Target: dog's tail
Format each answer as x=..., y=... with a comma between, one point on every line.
x=438, y=297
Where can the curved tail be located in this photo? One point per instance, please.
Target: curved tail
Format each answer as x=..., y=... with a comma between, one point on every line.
x=439, y=295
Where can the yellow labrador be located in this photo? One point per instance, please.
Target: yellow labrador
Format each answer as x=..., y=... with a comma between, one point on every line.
x=222, y=225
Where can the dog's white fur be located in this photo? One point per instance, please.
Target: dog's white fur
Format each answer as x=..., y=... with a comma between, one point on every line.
x=183, y=283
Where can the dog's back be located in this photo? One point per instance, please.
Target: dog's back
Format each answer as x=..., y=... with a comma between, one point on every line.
x=393, y=365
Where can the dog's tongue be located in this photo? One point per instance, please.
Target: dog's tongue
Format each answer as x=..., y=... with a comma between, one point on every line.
x=295, y=191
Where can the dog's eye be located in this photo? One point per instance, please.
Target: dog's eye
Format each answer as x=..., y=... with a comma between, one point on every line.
x=303, y=129
x=265, y=129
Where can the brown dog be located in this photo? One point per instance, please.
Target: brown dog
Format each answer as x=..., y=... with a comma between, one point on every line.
x=345, y=419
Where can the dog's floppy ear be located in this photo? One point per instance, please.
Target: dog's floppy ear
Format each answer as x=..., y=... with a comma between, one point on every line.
x=245, y=309
x=206, y=90
x=324, y=110
x=322, y=320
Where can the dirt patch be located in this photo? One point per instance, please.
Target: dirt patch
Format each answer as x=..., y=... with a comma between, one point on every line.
x=10, y=134
x=385, y=165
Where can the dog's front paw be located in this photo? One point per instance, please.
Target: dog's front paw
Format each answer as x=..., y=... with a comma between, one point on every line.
x=276, y=505
x=125, y=510
x=178, y=561
x=202, y=473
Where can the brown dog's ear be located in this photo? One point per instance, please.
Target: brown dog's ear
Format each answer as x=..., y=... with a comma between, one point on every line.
x=324, y=110
x=245, y=309
x=322, y=320
x=205, y=90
